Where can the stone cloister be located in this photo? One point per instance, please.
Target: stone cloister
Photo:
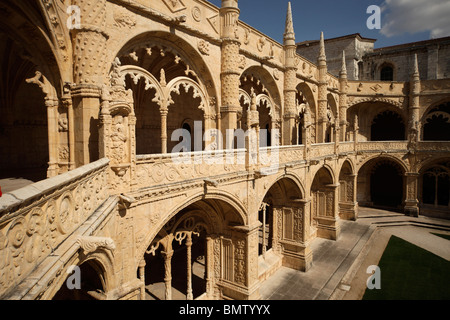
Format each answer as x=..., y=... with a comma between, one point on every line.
x=273, y=153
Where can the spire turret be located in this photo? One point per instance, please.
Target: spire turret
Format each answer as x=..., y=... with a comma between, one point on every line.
x=289, y=34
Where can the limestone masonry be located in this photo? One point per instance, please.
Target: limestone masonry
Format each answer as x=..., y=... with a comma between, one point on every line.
x=169, y=147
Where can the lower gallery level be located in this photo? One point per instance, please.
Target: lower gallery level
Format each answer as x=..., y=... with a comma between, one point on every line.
x=167, y=150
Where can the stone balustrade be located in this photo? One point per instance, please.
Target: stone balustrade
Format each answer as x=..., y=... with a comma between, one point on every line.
x=36, y=219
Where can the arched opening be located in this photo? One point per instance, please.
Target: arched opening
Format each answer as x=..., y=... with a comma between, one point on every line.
x=180, y=91
x=257, y=85
x=86, y=283
x=179, y=263
x=387, y=126
x=321, y=193
x=23, y=121
x=155, y=269
x=347, y=197
x=381, y=184
x=266, y=136
x=387, y=72
x=284, y=232
x=307, y=113
x=323, y=205
x=435, y=188
x=254, y=87
x=436, y=123
x=332, y=115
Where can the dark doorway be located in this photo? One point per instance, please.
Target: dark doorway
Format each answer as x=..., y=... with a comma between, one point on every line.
x=387, y=73
x=437, y=124
x=386, y=185
x=90, y=281
x=436, y=186
x=387, y=126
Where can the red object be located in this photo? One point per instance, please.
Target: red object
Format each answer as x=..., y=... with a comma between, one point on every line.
x=0, y=191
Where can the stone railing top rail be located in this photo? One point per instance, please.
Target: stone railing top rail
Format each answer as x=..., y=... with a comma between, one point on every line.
x=193, y=154
x=32, y=192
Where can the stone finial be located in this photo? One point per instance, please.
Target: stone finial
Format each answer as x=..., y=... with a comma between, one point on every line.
x=343, y=66
x=289, y=33
x=415, y=67
x=322, y=56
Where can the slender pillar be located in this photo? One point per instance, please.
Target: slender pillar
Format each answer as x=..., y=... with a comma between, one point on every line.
x=168, y=273
x=343, y=99
x=164, y=113
x=52, y=125
x=230, y=73
x=142, y=277
x=290, y=112
x=189, y=295
x=414, y=106
x=90, y=72
x=322, y=99
x=264, y=246
x=355, y=133
x=71, y=134
x=209, y=265
x=411, y=202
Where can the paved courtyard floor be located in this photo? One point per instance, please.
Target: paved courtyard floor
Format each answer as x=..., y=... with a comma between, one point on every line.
x=339, y=267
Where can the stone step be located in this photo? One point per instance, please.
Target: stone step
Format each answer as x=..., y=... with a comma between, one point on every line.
x=268, y=265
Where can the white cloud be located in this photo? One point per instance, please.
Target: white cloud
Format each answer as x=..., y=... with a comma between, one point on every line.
x=414, y=16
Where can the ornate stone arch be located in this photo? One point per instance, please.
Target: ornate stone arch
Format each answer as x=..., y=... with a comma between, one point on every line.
x=162, y=43
x=386, y=64
x=267, y=85
x=435, y=121
x=350, y=163
x=136, y=73
x=245, y=98
x=101, y=252
x=393, y=158
x=175, y=86
x=328, y=169
x=215, y=224
x=365, y=110
x=290, y=176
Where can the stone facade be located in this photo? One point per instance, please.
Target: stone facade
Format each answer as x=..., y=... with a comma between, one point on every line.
x=364, y=62
x=276, y=150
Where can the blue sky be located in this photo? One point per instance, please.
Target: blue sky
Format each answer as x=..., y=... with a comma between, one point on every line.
x=402, y=21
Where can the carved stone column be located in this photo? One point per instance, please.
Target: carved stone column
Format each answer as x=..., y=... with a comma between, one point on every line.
x=328, y=226
x=209, y=265
x=142, y=277
x=52, y=104
x=411, y=207
x=163, y=112
x=189, y=295
x=290, y=79
x=90, y=73
x=67, y=102
x=252, y=139
x=230, y=74
x=343, y=103
x=52, y=125
x=348, y=205
x=167, y=255
x=293, y=234
x=414, y=107
x=322, y=100
x=117, y=132
x=244, y=250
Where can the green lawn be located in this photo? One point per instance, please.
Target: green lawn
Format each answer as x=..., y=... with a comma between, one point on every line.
x=409, y=272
